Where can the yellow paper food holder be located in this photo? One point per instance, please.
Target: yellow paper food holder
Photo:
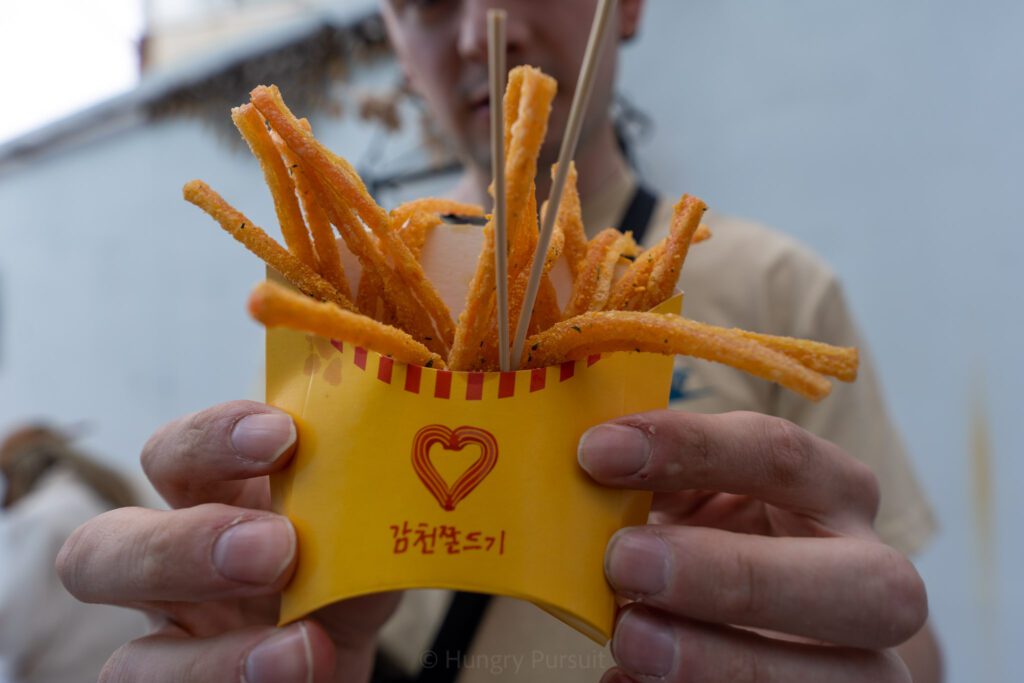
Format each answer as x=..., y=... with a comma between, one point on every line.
x=408, y=477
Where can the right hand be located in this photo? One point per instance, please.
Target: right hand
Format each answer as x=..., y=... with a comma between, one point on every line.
x=212, y=568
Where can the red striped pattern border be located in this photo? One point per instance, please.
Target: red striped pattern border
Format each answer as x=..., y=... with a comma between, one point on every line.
x=507, y=385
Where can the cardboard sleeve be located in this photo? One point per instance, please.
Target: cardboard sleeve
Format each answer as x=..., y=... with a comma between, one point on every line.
x=408, y=477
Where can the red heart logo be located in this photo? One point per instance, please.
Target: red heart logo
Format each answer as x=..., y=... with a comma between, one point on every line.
x=453, y=440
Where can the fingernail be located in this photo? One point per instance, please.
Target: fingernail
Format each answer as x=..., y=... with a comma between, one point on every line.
x=643, y=646
x=263, y=437
x=616, y=676
x=637, y=562
x=284, y=656
x=611, y=450
x=256, y=551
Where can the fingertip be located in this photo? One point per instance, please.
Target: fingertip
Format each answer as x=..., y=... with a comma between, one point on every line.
x=264, y=437
x=644, y=643
x=638, y=562
x=299, y=652
x=610, y=451
x=64, y=563
x=616, y=675
x=257, y=551
x=322, y=651
x=209, y=455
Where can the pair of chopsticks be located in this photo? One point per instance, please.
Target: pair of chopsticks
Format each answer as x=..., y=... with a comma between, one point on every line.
x=496, y=52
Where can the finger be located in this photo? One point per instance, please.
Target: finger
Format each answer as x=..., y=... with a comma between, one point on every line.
x=300, y=653
x=133, y=555
x=651, y=646
x=745, y=453
x=205, y=457
x=845, y=591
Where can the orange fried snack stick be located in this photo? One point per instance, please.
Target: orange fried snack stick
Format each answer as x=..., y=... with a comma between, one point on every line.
x=520, y=259
x=416, y=228
x=319, y=224
x=289, y=215
x=396, y=297
x=623, y=245
x=384, y=291
x=513, y=94
x=470, y=332
x=628, y=293
x=277, y=306
x=558, y=243
x=433, y=205
x=685, y=220
x=703, y=234
x=840, y=362
x=343, y=185
x=609, y=331
x=260, y=243
x=545, y=311
x=592, y=287
x=370, y=300
x=526, y=137
x=527, y=104
x=569, y=222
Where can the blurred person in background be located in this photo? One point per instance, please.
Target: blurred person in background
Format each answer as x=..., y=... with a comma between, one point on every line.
x=765, y=562
x=49, y=489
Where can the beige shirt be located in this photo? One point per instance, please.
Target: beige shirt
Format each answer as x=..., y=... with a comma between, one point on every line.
x=745, y=276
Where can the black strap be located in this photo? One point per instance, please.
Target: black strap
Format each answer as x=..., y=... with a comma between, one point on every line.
x=451, y=645
x=639, y=213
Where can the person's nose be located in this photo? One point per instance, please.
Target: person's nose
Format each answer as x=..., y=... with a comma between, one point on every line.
x=472, y=40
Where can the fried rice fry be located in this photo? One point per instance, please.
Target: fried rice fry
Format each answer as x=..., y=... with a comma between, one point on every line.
x=415, y=230
x=702, y=234
x=387, y=297
x=510, y=102
x=622, y=246
x=260, y=243
x=685, y=218
x=250, y=124
x=840, y=362
x=343, y=192
x=592, y=287
x=314, y=188
x=609, y=331
x=569, y=222
x=527, y=135
x=545, y=312
x=627, y=294
x=433, y=205
x=277, y=306
x=520, y=260
x=470, y=332
x=527, y=103
x=327, y=254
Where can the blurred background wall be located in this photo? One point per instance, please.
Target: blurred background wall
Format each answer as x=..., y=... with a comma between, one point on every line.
x=885, y=135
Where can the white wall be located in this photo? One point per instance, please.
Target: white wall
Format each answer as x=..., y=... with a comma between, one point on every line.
x=886, y=135
x=121, y=305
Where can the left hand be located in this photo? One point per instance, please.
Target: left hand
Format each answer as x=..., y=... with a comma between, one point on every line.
x=759, y=562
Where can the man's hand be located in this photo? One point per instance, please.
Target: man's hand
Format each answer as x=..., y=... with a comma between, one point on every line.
x=760, y=562
x=212, y=569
